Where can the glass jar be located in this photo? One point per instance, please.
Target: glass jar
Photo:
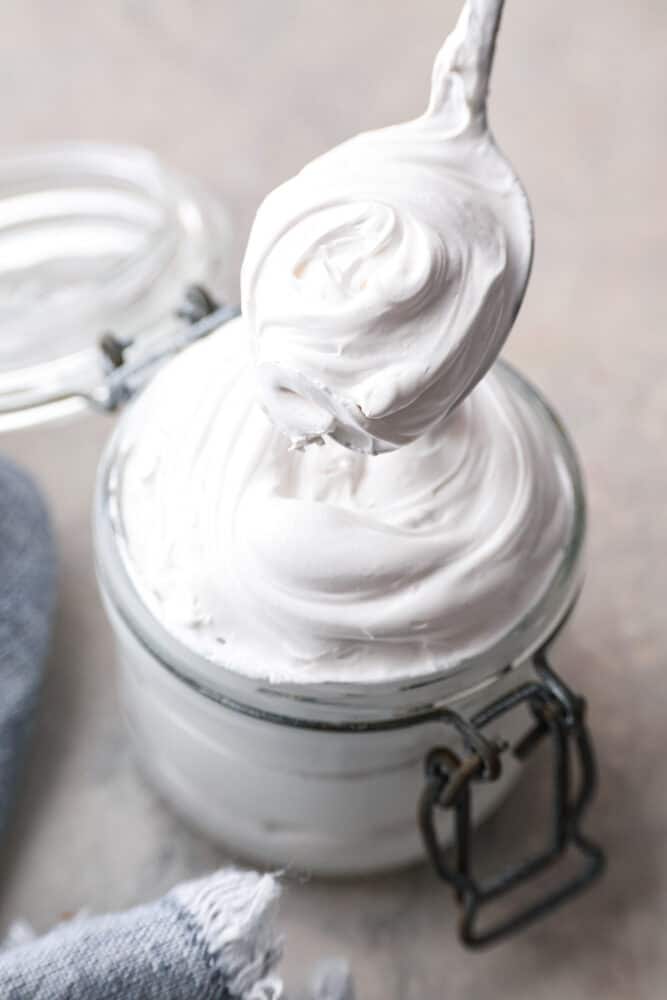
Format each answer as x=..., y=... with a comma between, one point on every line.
x=98, y=245
x=331, y=778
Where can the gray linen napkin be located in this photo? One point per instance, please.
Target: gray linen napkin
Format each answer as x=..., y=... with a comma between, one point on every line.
x=27, y=588
x=211, y=939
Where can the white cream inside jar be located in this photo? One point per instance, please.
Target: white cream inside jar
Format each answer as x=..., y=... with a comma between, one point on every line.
x=325, y=564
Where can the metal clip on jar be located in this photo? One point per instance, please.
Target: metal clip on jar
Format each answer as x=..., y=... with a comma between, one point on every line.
x=558, y=714
x=330, y=778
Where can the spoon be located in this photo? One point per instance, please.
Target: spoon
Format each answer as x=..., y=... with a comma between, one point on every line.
x=380, y=283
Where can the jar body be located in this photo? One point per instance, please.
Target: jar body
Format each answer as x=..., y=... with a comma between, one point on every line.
x=320, y=777
x=332, y=802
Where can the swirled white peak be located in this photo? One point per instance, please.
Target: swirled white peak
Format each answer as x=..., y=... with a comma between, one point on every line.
x=381, y=281
x=325, y=563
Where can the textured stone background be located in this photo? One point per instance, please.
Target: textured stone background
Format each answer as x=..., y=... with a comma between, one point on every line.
x=242, y=93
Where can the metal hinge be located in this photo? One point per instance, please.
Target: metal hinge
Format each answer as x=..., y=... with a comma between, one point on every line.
x=130, y=364
x=557, y=713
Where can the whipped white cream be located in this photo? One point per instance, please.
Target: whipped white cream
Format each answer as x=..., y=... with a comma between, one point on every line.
x=378, y=287
x=327, y=564
x=380, y=283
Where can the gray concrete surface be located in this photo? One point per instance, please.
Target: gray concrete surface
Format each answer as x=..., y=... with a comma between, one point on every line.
x=241, y=93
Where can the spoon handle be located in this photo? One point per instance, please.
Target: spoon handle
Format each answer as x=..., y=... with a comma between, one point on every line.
x=463, y=66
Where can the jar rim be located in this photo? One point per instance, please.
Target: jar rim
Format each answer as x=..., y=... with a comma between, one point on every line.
x=350, y=703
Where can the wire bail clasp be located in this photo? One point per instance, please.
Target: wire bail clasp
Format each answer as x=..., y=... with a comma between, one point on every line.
x=558, y=713
x=130, y=364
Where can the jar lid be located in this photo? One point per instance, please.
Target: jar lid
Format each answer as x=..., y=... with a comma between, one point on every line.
x=93, y=238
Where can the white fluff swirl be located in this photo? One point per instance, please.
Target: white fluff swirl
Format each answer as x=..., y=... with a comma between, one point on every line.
x=380, y=282
x=326, y=564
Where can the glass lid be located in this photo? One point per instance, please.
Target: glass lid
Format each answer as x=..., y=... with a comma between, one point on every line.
x=93, y=238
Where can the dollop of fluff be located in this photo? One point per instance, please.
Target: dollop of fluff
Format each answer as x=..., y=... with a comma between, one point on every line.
x=381, y=281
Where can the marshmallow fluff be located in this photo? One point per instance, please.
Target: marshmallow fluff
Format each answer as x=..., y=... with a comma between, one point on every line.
x=380, y=283
x=329, y=564
x=327, y=489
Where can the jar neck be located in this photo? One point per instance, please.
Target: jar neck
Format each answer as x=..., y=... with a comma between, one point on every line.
x=317, y=706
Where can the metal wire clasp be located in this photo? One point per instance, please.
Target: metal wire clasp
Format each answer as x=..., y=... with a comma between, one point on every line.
x=130, y=364
x=558, y=713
